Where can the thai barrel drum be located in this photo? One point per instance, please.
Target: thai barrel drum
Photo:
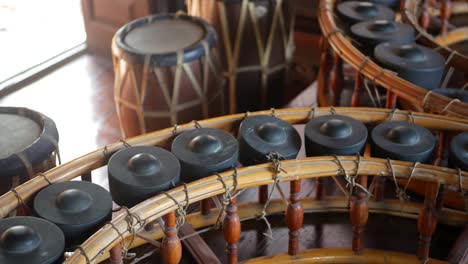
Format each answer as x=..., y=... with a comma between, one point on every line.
x=369, y=34
x=261, y=135
x=28, y=145
x=399, y=140
x=78, y=208
x=458, y=157
x=334, y=134
x=351, y=12
x=205, y=151
x=138, y=173
x=166, y=73
x=256, y=45
x=30, y=240
x=417, y=64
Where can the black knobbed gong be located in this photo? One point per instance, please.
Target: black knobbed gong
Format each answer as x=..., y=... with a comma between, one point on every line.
x=205, y=151
x=30, y=240
x=260, y=135
x=138, y=173
x=400, y=140
x=371, y=33
x=459, y=94
x=459, y=151
x=334, y=134
x=79, y=208
x=352, y=12
x=414, y=63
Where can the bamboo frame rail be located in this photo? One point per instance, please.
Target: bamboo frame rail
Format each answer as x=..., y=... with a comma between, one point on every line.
x=254, y=176
x=341, y=45
x=98, y=158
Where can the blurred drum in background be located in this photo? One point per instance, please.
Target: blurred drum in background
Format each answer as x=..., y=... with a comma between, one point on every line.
x=166, y=72
x=256, y=44
x=28, y=145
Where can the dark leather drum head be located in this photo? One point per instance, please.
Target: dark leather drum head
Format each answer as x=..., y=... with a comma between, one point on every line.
x=400, y=140
x=138, y=173
x=334, y=134
x=459, y=94
x=371, y=33
x=205, y=151
x=79, y=208
x=30, y=240
x=160, y=37
x=353, y=12
x=459, y=151
x=260, y=135
x=414, y=63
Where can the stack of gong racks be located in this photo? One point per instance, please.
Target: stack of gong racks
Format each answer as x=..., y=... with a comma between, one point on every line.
x=184, y=193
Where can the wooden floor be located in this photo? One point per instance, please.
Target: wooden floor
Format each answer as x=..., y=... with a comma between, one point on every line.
x=79, y=98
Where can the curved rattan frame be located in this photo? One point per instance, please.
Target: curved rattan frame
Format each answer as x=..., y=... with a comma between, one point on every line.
x=413, y=7
x=335, y=38
x=98, y=158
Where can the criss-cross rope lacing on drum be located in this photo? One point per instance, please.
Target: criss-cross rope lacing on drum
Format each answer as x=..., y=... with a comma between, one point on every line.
x=275, y=158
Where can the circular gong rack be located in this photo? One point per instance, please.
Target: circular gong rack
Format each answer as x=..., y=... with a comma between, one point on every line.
x=457, y=60
x=129, y=225
x=343, y=47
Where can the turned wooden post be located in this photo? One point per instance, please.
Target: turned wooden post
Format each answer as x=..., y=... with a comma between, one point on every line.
x=391, y=100
x=357, y=90
x=445, y=12
x=427, y=221
x=205, y=206
x=380, y=188
x=336, y=78
x=171, y=248
x=232, y=231
x=359, y=213
x=424, y=19
x=86, y=177
x=263, y=194
x=294, y=217
x=115, y=254
x=320, y=188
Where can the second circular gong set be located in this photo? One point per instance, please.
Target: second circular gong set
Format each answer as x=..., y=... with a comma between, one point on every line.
x=185, y=171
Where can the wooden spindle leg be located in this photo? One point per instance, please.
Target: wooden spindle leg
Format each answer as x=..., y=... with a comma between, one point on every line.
x=336, y=79
x=320, y=188
x=115, y=254
x=171, y=248
x=380, y=188
x=294, y=217
x=263, y=194
x=359, y=212
x=232, y=231
x=357, y=90
x=391, y=100
x=445, y=12
x=424, y=18
x=86, y=177
x=427, y=221
x=205, y=207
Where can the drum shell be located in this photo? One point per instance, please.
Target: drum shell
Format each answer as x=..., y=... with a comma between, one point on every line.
x=145, y=90
x=41, y=154
x=253, y=90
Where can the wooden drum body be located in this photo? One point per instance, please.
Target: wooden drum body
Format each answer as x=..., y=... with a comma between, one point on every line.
x=256, y=44
x=166, y=72
x=28, y=145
